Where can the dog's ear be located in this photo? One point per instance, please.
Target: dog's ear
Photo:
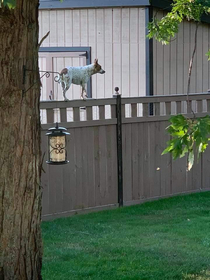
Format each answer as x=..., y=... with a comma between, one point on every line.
x=96, y=61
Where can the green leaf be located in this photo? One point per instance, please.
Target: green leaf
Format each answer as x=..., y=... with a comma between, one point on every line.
x=9, y=3
x=166, y=28
x=208, y=54
x=188, y=136
x=176, y=132
x=167, y=150
x=177, y=150
x=178, y=122
x=202, y=147
x=185, y=150
x=170, y=147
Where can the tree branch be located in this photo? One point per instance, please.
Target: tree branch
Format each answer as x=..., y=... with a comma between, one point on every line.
x=39, y=45
x=42, y=169
x=190, y=70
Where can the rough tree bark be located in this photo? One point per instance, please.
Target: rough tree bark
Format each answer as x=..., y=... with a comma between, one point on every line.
x=20, y=191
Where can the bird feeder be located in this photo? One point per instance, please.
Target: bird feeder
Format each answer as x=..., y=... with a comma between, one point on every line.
x=57, y=142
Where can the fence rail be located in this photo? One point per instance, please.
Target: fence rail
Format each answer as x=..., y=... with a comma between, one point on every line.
x=91, y=179
x=136, y=107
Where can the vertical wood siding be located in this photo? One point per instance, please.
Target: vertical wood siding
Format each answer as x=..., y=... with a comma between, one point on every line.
x=116, y=37
x=171, y=62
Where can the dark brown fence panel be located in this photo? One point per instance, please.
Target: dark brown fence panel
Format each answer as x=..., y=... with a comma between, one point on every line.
x=90, y=178
x=205, y=168
x=148, y=174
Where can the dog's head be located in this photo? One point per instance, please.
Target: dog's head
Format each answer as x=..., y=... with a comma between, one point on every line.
x=98, y=68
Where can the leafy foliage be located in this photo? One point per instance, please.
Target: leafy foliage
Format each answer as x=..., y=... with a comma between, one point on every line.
x=188, y=136
x=8, y=3
x=166, y=28
x=208, y=54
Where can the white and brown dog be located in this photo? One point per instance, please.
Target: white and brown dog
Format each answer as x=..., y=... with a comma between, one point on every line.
x=78, y=76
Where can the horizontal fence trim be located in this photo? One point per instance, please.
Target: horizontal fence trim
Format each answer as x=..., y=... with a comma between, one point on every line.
x=144, y=119
x=127, y=100
x=158, y=118
x=79, y=211
x=76, y=103
x=114, y=121
x=165, y=98
x=139, y=201
x=81, y=123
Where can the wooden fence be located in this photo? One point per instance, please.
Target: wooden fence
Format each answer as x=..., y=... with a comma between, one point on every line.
x=90, y=180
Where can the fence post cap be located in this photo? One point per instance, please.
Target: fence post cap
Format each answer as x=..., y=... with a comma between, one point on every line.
x=116, y=92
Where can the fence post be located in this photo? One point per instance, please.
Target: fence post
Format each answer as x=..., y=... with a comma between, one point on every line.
x=119, y=146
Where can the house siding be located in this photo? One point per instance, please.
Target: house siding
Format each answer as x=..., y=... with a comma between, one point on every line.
x=116, y=37
x=171, y=62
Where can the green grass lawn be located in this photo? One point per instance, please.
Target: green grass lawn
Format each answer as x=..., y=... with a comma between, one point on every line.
x=165, y=239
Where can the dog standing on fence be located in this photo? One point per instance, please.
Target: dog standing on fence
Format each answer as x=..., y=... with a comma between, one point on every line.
x=78, y=76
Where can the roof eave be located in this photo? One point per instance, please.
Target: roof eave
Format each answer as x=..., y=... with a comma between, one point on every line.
x=78, y=4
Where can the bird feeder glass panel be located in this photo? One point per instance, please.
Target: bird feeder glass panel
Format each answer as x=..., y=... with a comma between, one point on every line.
x=57, y=148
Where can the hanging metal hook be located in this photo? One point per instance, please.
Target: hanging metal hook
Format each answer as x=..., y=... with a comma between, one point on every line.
x=46, y=73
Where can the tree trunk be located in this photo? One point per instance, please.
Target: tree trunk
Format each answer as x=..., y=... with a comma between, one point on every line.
x=20, y=191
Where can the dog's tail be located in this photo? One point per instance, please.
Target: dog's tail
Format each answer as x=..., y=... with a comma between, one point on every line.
x=59, y=78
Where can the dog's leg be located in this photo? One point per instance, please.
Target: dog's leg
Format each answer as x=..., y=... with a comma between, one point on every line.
x=64, y=94
x=83, y=90
x=81, y=96
x=86, y=93
x=65, y=87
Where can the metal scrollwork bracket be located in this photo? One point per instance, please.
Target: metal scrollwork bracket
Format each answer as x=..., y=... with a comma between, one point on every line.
x=46, y=73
